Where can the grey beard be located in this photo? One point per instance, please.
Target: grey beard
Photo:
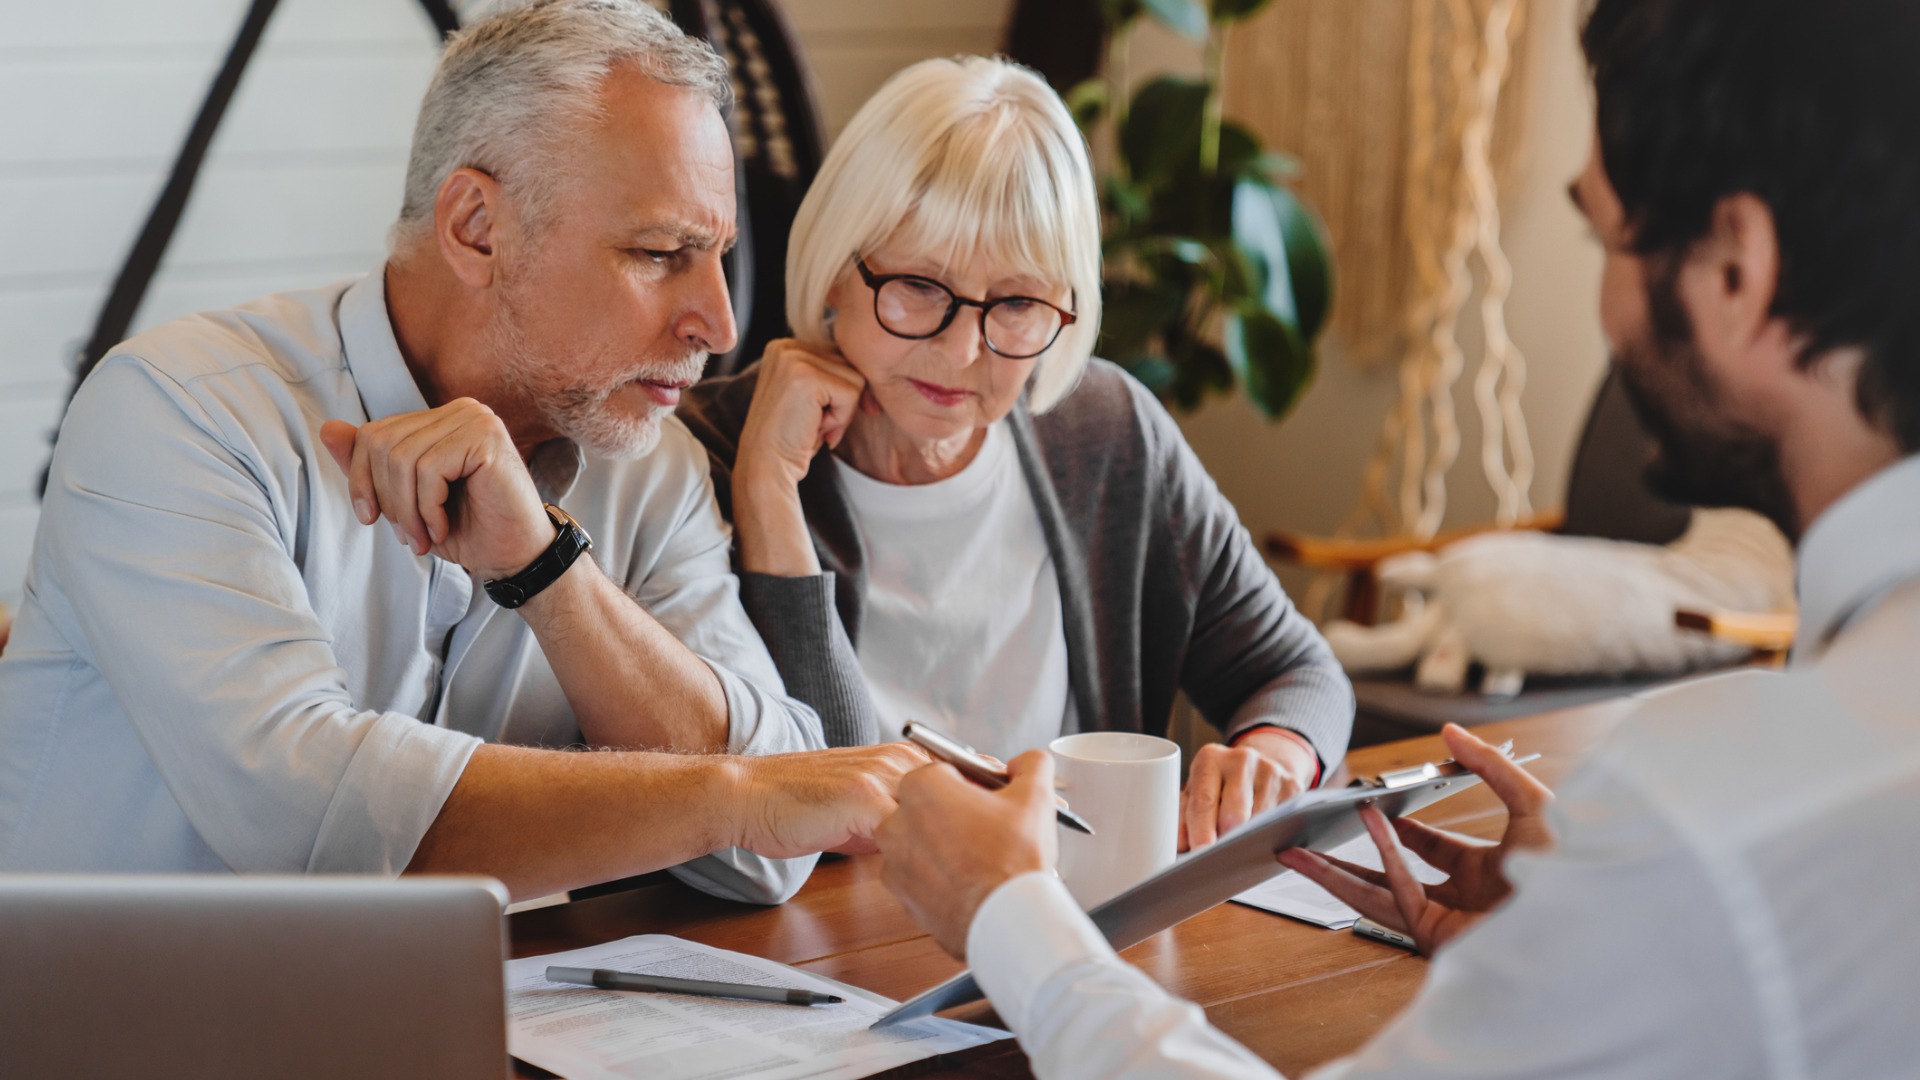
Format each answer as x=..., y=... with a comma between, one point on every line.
x=583, y=413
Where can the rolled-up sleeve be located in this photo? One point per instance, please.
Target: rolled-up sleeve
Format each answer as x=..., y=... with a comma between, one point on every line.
x=691, y=590
x=181, y=588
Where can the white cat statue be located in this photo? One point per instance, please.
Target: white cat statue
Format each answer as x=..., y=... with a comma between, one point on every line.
x=1528, y=603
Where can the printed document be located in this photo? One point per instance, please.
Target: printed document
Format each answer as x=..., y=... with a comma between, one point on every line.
x=1290, y=894
x=583, y=1033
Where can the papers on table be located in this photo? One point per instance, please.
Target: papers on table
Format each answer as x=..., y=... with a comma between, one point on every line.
x=1294, y=896
x=586, y=1034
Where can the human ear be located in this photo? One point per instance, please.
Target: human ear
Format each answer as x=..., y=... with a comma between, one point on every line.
x=465, y=224
x=1743, y=249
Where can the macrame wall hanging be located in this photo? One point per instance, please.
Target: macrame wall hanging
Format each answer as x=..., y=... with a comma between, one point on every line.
x=1392, y=108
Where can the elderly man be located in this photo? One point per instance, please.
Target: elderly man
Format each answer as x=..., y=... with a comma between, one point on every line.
x=1732, y=893
x=227, y=661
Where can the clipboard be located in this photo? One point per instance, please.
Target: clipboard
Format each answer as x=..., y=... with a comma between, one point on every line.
x=1323, y=818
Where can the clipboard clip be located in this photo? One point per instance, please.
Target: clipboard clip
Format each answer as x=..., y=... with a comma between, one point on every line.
x=1394, y=779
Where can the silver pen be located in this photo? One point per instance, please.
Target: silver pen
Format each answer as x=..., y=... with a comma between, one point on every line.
x=666, y=984
x=1367, y=928
x=976, y=768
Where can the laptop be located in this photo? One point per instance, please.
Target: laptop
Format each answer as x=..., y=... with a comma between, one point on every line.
x=216, y=976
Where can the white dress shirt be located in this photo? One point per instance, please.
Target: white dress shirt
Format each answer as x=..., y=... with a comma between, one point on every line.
x=1732, y=895
x=217, y=667
x=963, y=628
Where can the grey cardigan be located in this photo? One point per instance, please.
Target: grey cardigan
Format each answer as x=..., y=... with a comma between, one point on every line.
x=1161, y=588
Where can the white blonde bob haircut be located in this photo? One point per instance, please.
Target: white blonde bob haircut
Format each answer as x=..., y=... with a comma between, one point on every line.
x=958, y=159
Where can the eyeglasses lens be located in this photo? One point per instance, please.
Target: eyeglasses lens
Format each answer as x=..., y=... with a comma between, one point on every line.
x=1019, y=327
x=913, y=306
x=1016, y=326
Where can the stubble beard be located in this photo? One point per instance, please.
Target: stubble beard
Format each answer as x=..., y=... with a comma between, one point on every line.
x=584, y=413
x=1706, y=457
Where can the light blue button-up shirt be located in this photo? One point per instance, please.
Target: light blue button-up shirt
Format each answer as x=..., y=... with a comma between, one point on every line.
x=217, y=667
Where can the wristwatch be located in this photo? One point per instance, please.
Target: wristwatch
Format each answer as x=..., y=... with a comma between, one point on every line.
x=568, y=542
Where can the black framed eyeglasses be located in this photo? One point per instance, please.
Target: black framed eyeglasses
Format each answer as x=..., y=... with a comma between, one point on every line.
x=916, y=308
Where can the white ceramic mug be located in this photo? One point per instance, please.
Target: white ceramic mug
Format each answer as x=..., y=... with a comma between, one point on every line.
x=1127, y=786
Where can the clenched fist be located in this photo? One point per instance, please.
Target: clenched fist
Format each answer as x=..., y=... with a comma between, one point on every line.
x=451, y=482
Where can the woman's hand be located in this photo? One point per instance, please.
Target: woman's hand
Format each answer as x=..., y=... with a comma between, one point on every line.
x=1228, y=785
x=1476, y=871
x=805, y=398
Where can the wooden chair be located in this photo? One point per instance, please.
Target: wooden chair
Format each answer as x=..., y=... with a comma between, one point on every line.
x=1607, y=498
x=1769, y=634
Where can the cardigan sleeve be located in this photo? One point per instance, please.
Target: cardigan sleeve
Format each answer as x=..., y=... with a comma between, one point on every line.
x=797, y=619
x=1252, y=658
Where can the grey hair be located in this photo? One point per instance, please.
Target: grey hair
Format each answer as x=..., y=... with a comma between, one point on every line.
x=511, y=89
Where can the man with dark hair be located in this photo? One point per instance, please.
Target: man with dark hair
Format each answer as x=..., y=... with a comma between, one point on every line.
x=1731, y=890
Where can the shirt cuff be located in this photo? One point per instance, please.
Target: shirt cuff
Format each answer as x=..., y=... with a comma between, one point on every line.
x=1319, y=766
x=1027, y=931
x=759, y=723
x=389, y=796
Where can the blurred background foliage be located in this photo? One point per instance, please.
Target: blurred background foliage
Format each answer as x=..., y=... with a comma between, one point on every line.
x=1218, y=274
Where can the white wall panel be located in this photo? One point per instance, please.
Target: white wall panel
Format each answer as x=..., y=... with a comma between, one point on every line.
x=112, y=110
x=147, y=25
x=240, y=212
x=39, y=328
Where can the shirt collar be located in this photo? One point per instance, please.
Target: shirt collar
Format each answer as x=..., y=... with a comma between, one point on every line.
x=373, y=354
x=555, y=465
x=1855, y=552
x=387, y=387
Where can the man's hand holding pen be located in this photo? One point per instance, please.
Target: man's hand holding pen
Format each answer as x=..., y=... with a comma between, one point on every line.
x=952, y=842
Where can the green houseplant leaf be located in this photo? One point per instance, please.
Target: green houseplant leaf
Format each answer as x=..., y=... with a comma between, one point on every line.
x=1217, y=274
x=1188, y=18
x=1162, y=130
x=1270, y=359
x=1286, y=245
x=1087, y=102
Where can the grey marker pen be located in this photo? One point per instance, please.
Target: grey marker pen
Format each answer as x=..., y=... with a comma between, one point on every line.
x=664, y=984
x=1367, y=928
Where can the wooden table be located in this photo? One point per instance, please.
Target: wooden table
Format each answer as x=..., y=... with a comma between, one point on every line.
x=1295, y=994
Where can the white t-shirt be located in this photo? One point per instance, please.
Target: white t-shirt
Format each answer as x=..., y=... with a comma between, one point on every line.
x=962, y=628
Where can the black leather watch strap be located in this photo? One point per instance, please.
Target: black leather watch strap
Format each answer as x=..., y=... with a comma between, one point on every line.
x=569, y=541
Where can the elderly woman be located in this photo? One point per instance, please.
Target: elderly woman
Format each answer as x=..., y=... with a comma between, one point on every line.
x=933, y=486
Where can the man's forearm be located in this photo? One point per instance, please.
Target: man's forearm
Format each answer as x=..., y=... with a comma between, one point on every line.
x=630, y=682
x=543, y=821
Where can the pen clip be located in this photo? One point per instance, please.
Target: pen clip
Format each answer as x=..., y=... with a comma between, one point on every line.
x=1394, y=779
